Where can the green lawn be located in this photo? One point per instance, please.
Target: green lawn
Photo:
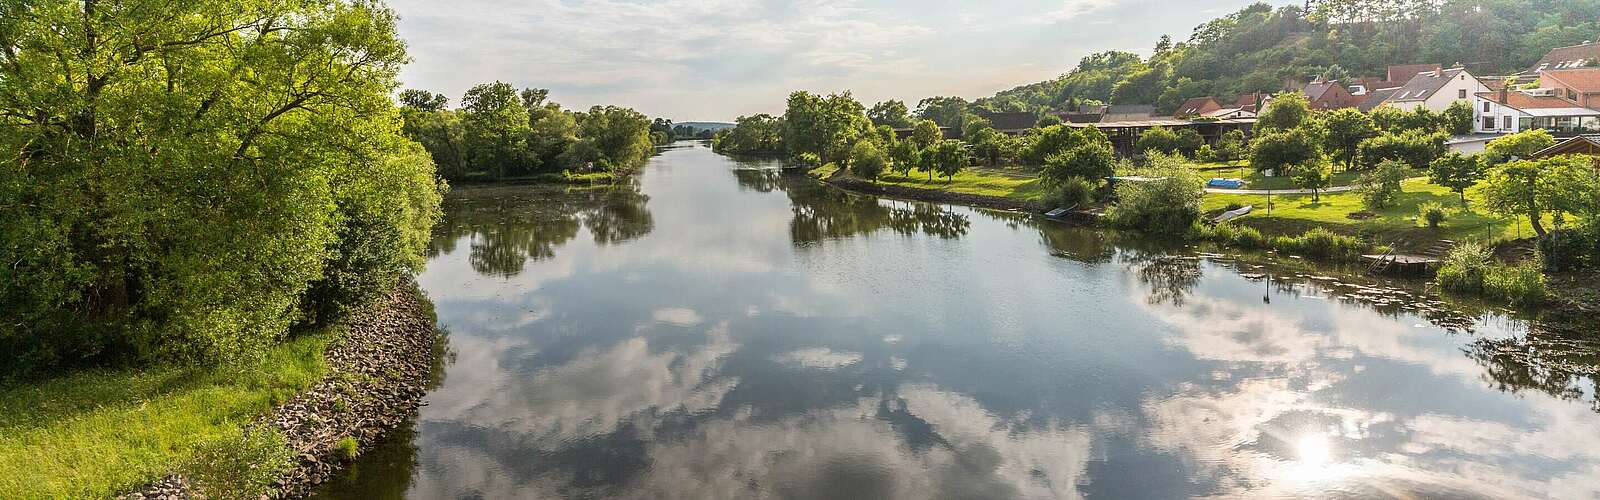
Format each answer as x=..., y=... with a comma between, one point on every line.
x=1292, y=214
x=978, y=181
x=1241, y=170
x=95, y=434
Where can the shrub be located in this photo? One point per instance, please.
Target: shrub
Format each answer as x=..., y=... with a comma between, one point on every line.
x=808, y=159
x=1089, y=161
x=1470, y=268
x=1167, y=204
x=1073, y=191
x=1416, y=148
x=1322, y=244
x=1205, y=153
x=867, y=161
x=1566, y=250
x=239, y=466
x=1431, y=215
x=1239, y=236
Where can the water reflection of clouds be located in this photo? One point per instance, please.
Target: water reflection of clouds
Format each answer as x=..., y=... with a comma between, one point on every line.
x=1290, y=373
x=853, y=451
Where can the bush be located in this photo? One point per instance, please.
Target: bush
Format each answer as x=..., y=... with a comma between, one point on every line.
x=1381, y=186
x=1470, y=268
x=1415, y=148
x=1431, y=215
x=1205, y=154
x=1071, y=192
x=1322, y=244
x=1167, y=204
x=867, y=161
x=1567, y=250
x=1238, y=236
x=240, y=466
x=1090, y=161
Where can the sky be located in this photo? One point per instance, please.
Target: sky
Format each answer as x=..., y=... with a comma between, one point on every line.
x=715, y=60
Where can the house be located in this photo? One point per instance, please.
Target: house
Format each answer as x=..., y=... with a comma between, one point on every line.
x=1082, y=113
x=1328, y=95
x=1011, y=123
x=1229, y=114
x=1511, y=111
x=1128, y=113
x=1578, y=145
x=1399, y=74
x=1375, y=98
x=1253, y=103
x=1197, y=106
x=1436, y=90
x=1581, y=86
x=1575, y=56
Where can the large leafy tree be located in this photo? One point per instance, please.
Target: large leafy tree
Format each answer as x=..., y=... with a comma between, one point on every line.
x=496, y=128
x=1346, y=128
x=614, y=138
x=891, y=112
x=1457, y=172
x=823, y=125
x=945, y=111
x=179, y=177
x=1534, y=189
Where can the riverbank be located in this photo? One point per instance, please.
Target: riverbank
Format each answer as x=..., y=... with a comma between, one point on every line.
x=100, y=433
x=965, y=191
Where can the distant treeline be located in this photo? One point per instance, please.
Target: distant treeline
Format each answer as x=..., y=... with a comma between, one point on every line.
x=500, y=132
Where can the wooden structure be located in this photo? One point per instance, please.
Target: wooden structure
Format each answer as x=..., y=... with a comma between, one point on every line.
x=1580, y=145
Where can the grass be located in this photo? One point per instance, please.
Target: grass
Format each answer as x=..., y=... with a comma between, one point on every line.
x=1295, y=214
x=1256, y=180
x=101, y=433
x=979, y=181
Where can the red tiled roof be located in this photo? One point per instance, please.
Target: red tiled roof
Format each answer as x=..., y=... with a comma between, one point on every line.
x=1402, y=73
x=1524, y=101
x=1560, y=56
x=1581, y=80
x=1197, y=106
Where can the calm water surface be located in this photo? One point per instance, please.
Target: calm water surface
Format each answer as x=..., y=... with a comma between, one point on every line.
x=722, y=330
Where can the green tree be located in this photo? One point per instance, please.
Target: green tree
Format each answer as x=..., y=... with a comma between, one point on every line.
x=945, y=111
x=1346, y=129
x=926, y=134
x=1315, y=175
x=1521, y=145
x=614, y=138
x=423, y=100
x=441, y=133
x=495, y=125
x=1457, y=172
x=1286, y=111
x=1522, y=188
x=891, y=112
x=946, y=158
x=1093, y=161
x=1232, y=146
x=1278, y=150
x=1055, y=139
x=825, y=126
x=1380, y=186
x=176, y=180
x=906, y=156
x=1417, y=148
x=1457, y=119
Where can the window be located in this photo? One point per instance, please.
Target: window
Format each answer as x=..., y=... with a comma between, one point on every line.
x=1461, y=94
x=1508, y=123
x=1486, y=105
x=1488, y=123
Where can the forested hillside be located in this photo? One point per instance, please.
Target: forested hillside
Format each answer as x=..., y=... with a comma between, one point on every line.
x=1260, y=48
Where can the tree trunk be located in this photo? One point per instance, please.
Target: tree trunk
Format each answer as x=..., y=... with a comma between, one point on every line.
x=1538, y=227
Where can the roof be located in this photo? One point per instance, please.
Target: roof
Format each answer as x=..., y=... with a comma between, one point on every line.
x=1399, y=74
x=1160, y=122
x=1376, y=97
x=1583, y=144
x=1424, y=85
x=1123, y=112
x=1249, y=101
x=1581, y=80
x=1571, y=56
x=1229, y=111
x=1012, y=121
x=1525, y=102
x=1315, y=91
x=1198, y=105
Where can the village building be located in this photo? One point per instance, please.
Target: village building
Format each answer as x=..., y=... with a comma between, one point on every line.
x=1581, y=86
x=1197, y=106
x=1011, y=123
x=1436, y=90
x=1327, y=95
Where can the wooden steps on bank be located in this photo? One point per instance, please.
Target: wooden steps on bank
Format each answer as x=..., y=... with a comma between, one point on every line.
x=1421, y=263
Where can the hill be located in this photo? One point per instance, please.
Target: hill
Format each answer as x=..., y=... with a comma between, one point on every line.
x=1264, y=49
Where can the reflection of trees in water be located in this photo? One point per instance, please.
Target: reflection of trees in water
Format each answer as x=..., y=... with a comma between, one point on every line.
x=1559, y=360
x=822, y=214
x=509, y=226
x=759, y=180
x=1171, y=278
x=1077, y=243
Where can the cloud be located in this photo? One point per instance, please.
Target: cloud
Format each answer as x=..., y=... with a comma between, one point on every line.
x=819, y=358
x=1073, y=9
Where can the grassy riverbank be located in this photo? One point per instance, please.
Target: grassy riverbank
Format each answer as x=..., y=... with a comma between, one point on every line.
x=96, y=434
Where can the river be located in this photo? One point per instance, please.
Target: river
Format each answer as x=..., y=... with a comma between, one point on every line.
x=724, y=330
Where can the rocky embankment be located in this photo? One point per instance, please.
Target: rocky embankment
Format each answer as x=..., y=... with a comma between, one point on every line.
x=376, y=375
